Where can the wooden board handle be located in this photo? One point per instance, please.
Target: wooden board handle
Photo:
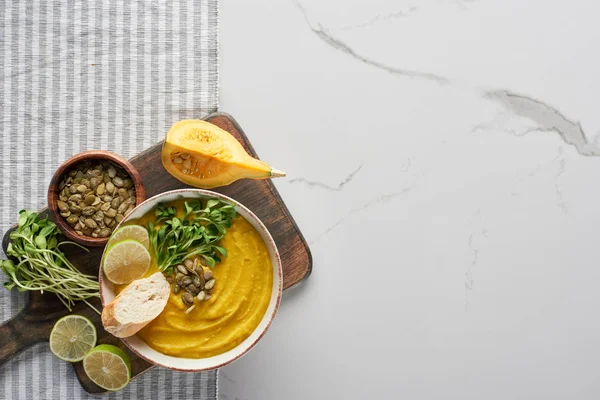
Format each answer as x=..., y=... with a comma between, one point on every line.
x=20, y=333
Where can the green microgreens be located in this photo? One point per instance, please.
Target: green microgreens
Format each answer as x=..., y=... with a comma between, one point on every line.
x=196, y=233
x=41, y=265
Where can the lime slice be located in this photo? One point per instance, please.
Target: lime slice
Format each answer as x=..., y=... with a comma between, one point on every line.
x=126, y=261
x=72, y=337
x=108, y=367
x=133, y=232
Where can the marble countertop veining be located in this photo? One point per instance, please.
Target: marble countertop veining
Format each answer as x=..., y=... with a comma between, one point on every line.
x=442, y=160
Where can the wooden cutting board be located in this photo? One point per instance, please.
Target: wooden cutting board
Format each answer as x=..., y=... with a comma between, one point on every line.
x=34, y=323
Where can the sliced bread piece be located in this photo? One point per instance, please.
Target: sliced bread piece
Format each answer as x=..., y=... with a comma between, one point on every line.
x=137, y=305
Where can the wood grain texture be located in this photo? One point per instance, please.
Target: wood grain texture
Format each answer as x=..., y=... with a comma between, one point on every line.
x=34, y=323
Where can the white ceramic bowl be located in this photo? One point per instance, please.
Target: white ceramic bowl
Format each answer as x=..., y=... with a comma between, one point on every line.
x=139, y=347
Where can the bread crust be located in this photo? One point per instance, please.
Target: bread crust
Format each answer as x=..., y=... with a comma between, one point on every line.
x=123, y=329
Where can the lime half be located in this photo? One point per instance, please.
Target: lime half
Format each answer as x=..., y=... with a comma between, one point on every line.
x=126, y=261
x=108, y=367
x=72, y=337
x=130, y=232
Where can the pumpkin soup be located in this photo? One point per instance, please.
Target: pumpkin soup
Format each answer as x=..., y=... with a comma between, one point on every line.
x=238, y=297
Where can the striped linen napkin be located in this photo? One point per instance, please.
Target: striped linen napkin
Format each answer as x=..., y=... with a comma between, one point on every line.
x=78, y=75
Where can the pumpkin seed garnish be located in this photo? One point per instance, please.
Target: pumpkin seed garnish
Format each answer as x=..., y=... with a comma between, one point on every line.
x=193, y=281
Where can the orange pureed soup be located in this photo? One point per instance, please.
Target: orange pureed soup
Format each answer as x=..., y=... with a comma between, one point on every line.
x=240, y=298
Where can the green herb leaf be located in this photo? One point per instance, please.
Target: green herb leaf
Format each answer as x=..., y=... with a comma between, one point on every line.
x=195, y=234
x=41, y=266
x=40, y=242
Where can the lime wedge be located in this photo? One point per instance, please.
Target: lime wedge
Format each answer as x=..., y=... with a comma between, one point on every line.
x=108, y=367
x=126, y=261
x=72, y=337
x=133, y=232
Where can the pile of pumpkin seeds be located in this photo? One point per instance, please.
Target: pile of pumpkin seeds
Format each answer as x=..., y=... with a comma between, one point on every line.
x=94, y=197
x=193, y=281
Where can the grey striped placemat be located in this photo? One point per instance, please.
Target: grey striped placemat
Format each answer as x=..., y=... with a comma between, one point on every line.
x=79, y=75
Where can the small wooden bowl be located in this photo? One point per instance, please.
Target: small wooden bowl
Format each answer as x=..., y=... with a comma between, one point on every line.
x=53, y=191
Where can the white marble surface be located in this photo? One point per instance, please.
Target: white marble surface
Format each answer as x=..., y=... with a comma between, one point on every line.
x=443, y=164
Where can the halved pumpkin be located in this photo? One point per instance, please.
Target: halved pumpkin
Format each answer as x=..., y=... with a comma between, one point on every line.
x=205, y=156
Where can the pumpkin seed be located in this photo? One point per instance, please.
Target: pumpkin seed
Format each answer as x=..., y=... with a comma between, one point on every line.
x=104, y=232
x=75, y=198
x=118, y=182
x=100, y=189
x=75, y=209
x=116, y=202
x=112, y=172
x=208, y=274
x=119, y=217
x=94, y=235
x=73, y=189
x=182, y=269
x=201, y=296
x=123, y=193
x=189, y=264
x=62, y=206
x=89, y=200
x=198, y=281
x=90, y=223
x=72, y=220
x=193, y=289
x=110, y=188
x=65, y=214
x=177, y=160
x=98, y=216
x=187, y=298
x=94, y=182
x=178, y=277
x=105, y=206
x=107, y=220
x=127, y=183
x=129, y=209
x=186, y=281
x=210, y=284
x=107, y=199
x=111, y=213
x=122, y=208
x=82, y=188
x=87, y=211
x=189, y=310
x=176, y=288
x=187, y=164
x=185, y=156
